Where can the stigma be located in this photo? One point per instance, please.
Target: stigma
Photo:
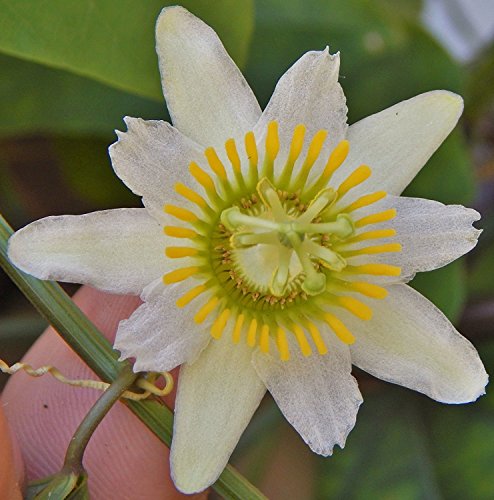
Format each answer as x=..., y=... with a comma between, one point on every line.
x=275, y=248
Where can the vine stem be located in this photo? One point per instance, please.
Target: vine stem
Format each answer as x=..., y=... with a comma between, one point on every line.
x=81, y=437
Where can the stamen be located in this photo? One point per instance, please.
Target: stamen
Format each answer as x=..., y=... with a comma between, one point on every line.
x=180, y=274
x=372, y=235
x=252, y=333
x=302, y=340
x=356, y=307
x=358, y=176
x=338, y=327
x=282, y=344
x=295, y=149
x=270, y=198
x=314, y=282
x=312, y=154
x=376, y=218
x=365, y=201
x=264, y=341
x=232, y=218
x=237, y=330
x=324, y=199
x=342, y=227
x=317, y=338
x=239, y=240
x=385, y=248
x=220, y=324
x=282, y=273
x=206, y=310
x=180, y=213
x=179, y=252
x=180, y=232
x=191, y=295
x=329, y=258
x=375, y=269
x=215, y=163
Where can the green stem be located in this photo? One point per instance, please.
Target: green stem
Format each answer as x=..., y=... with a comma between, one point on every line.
x=78, y=443
x=95, y=350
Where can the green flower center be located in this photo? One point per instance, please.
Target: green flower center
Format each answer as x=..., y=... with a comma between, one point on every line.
x=271, y=250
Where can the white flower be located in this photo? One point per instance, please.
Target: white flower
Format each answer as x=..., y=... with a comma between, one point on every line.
x=268, y=232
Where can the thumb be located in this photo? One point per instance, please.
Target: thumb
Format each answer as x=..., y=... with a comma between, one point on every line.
x=11, y=469
x=123, y=459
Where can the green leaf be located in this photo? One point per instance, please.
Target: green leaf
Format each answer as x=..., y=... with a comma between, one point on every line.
x=385, y=57
x=386, y=455
x=62, y=102
x=110, y=41
x=85, y=339
x=481, y=276
x=445, y=287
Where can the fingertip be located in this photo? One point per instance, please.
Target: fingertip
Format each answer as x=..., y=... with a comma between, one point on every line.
x=11, y=466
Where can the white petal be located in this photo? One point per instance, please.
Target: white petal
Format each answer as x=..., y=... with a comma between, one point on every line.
x=150, y=158
x=410, y=342
x=207, y=96
x=397, y=142
x=160, y=335
x=431, y=234
x=114, y=250
x=317, y=394
x=216, y=398
x=308, y=93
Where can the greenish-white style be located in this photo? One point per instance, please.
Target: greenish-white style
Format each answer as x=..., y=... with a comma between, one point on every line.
x=272, y=251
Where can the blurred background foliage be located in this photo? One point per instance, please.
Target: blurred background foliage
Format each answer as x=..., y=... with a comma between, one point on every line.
x=70, y=70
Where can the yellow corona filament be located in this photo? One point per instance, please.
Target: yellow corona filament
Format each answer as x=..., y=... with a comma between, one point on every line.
x=220, y=324
x=372, y=235
x=358, y=176
x=365, y=201
x=341, y=331
x=202, y=177
x=191, y=295
x=376, y=218
x=282, y=344
x=190, y=194
x=356, y=307
x=180, y=274
x=272, y=141
x=215, y=163
x=252, y=155
x=368, y=289
x=232, y=153
x=312, y=155
x=375, y=269
x=317, y=338
x=272, y=149
x=336, y=158
x=302, y=340
x=297, y=144
x=179, y=252
x=237, y=329
x=264, y=341
x=385, y=248
x=206, y=310
x=180, y=232
x=180, y=213
x=252, y=333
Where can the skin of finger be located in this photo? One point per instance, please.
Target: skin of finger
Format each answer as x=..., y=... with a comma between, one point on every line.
x=11, y=468
x=124, y=459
